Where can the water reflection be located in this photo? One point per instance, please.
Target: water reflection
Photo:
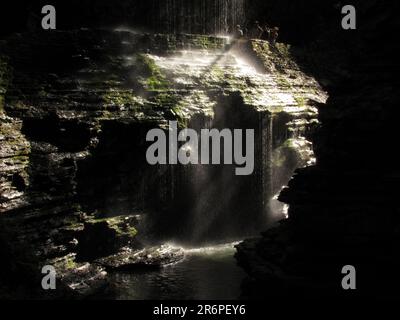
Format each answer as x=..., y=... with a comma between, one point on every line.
x=206, y=273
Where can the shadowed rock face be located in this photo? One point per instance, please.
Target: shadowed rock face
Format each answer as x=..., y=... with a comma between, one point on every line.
x=77, y=109
x=152, y=258
x=341, y=210
x=248, y=85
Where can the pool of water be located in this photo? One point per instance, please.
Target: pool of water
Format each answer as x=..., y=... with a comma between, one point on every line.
x=207, y=273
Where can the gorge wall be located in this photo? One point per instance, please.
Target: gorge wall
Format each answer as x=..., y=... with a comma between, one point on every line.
x=341, y=210
x=76, y=108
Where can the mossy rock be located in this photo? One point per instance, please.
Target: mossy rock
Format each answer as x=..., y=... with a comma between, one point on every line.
x=123, y=225
x=122, y=98
x=155, y=80
x=104, y=236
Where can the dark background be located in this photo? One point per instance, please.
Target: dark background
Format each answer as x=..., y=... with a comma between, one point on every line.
x=300, y=20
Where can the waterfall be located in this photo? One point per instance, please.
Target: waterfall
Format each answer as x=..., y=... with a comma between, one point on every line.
x=266, y=130
x=211, y=203
x=196, y=16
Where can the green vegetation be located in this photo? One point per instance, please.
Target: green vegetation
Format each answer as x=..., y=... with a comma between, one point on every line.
x=121, y=98
x=301, y=101
x=168, y=99
x=118, y=224
x=284, y=49
x=70, y=263
x=207, y=42
x=283, y=83
x=155, y=81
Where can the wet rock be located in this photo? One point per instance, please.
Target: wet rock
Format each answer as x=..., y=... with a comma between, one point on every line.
x=102, y=237
x=14, y=162
x=79, y=280
x=341, y=209
x=74, y=131
x=149, y=258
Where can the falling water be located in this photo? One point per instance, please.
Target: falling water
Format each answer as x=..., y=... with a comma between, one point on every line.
x=267, y=167
x=206, y=273
x=209, y=203
x=197, y=16
x=209, y=196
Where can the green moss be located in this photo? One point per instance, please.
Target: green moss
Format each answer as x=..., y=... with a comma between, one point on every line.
x=118, y=224
x=76, y=226
x=180, y=116
x=121, y=98
x=284, y=49
x=218, y=72
x=124, y=230
x=70, y=264
x=301, y=101
x=283, y=83
x=166, y=99
x=207, y=42
x=151, y=78
x=155, y=81
x=107, y=220
x=21, y=158
x=171, y=102
x=132, y=232
x=290, y=144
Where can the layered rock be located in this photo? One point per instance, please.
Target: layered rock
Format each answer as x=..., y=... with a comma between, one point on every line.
x=79, y=107
x=103, y=237
x=252, y=85
x=149, y=258
x=341, y=210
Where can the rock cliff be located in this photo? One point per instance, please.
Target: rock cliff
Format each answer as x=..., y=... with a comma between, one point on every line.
x=76, y=108
x=341, y=211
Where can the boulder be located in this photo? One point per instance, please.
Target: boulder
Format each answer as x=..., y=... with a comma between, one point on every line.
x=149, y=258
x=102, y=237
